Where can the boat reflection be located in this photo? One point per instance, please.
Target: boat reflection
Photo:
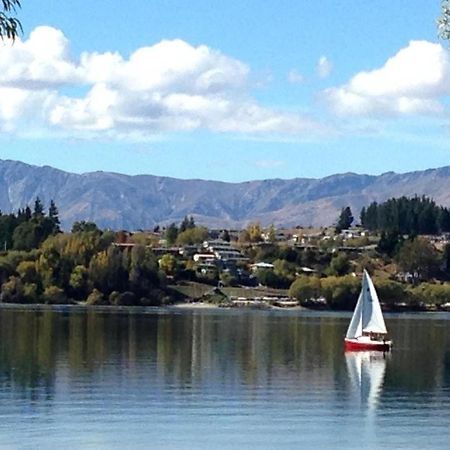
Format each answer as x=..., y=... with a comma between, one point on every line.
x=366, y=371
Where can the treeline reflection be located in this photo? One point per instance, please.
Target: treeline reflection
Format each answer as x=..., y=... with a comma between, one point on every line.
x=238, y=350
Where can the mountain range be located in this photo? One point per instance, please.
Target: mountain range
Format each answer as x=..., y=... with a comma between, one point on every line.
x=120, y=201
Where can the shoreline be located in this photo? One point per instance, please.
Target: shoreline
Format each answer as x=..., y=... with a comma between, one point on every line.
x=180, y=306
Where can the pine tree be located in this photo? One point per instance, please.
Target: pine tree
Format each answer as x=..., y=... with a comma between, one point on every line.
x=38, y=212
x=345, y=219
x=53, y=216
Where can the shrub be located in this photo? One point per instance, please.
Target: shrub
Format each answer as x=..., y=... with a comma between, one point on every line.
x=305, y=288
x=12, y=291
x=126, y=298
x=341, y=292
x=96, y=298
x=53, y=295
x=30, y=293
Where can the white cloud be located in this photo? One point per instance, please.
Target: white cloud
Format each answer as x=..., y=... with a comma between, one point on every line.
x=295, y=77
x=324, y=67
x=411, y=82
x=169, y=86
x=41, y=62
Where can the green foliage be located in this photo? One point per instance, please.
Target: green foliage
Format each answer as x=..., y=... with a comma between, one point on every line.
x=126, y=298
x=96, y=298
x=27, y=235
x=38, y=211
x=51, y=266
x=412, y=216
x=54, y=295
x=345, y=219
x=267, y=253
x=31, y=293
x=390, y=242
x=192, y=235
x=12, y=291
x=305, y=288
x=341, y=292
x=79, y=282
x=390, y=292
x=444, y=20
x=27, y=272
x=85, y=227
x=253, y=233
x=168, y=264
x=339, y=265
x=429, y=293
x=419, y=258
x=284, y=270
x=8, y=223
x=10, y=26
x=271, y=234
x=228, y=279
x=171, y=234
x=187, y=224
x=270, y=279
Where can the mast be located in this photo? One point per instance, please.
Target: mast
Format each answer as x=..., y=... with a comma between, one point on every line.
x=367, y=316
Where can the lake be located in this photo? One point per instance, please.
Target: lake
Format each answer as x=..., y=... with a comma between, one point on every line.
x=219, y=379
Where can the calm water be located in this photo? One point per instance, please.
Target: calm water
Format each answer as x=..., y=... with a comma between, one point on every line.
x=219, y=380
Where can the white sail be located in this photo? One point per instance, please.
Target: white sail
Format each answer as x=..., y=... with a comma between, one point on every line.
x=367, y=316
x=372, y=317
x=355, y=327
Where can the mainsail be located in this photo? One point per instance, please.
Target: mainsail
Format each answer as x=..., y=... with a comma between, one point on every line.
x=367, y=316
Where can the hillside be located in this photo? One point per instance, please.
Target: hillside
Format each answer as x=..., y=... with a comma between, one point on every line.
x=132, y=202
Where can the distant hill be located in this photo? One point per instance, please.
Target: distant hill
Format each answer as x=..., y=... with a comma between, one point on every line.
x=140, y=202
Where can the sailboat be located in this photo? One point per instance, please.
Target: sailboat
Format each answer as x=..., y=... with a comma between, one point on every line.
x=367, y=330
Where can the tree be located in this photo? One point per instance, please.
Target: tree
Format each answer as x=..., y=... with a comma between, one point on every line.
x=188, y=223
x=192, y=236
x=84, y=227
x=53, y=295
x=10, y=26
x=27, y=236
x=271, y=234
x=389, y=243
x=305, y=288
x=252, y=233
x=96, y=298
x=225, y=235
x=345, y=219
x=38, y=212
x=53, y=217
x=171, y=234
x=168, y=264
x=444, y=20
x=419, y=258
x=339, y=265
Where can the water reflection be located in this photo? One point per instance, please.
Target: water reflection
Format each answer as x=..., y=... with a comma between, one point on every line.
x=245, y=379
x=303, y=352
x=366, y=371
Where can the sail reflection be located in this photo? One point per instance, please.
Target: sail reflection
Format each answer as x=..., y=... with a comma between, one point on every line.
x=366, y=371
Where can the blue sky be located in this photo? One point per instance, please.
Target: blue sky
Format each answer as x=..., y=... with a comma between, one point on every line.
x=227, y=90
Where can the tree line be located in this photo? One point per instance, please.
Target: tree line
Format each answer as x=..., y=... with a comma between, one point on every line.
x=411, y=216
x=43, y=265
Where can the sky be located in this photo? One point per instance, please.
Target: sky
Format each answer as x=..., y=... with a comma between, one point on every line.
x=228, y=91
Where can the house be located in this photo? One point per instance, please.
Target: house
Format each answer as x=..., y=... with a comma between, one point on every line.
x=224, y=251
x=261, y=266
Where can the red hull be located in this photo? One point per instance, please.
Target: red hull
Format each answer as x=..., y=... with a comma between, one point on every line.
x=353, y=345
